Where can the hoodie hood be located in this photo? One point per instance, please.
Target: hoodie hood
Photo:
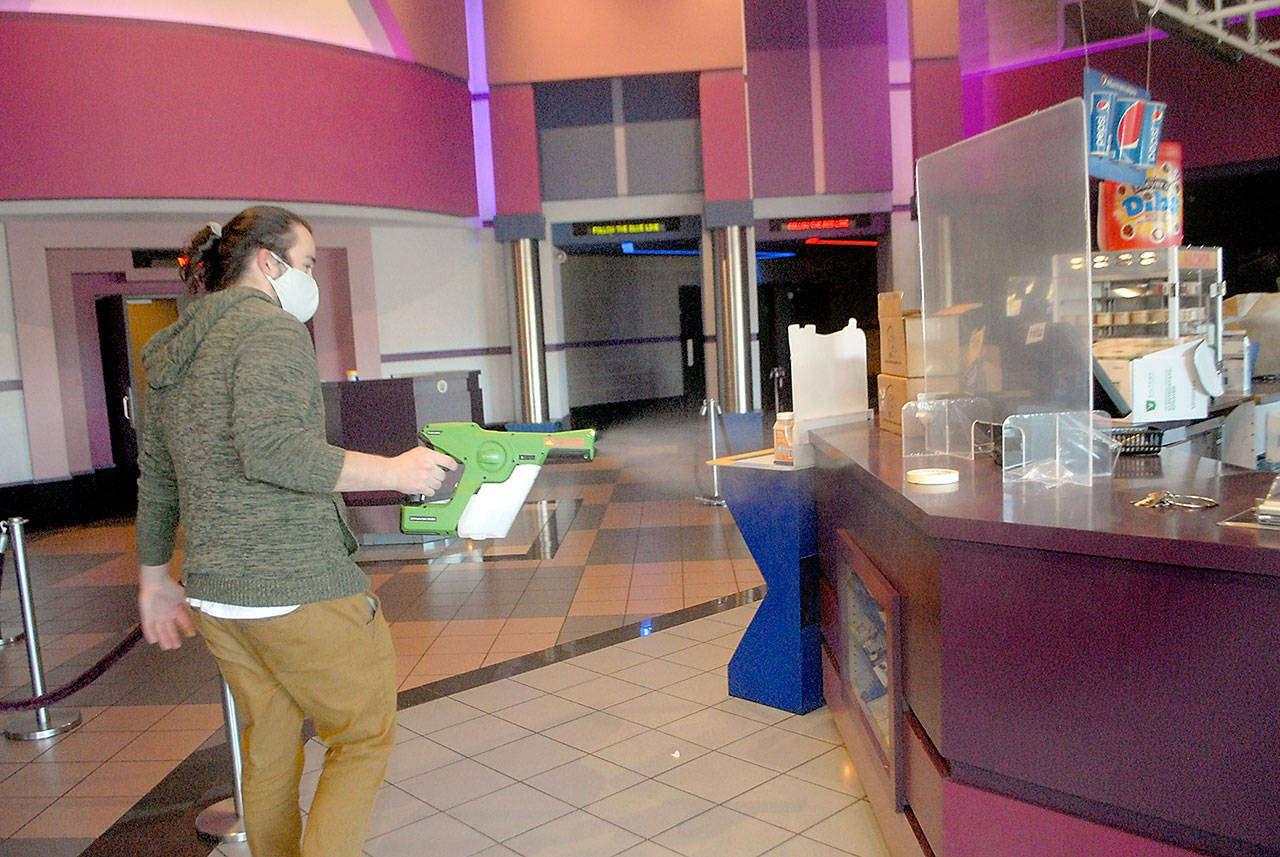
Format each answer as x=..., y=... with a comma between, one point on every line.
x=167, y=355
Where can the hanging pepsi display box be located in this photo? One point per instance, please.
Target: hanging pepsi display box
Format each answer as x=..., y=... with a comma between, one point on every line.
x=1124, y=128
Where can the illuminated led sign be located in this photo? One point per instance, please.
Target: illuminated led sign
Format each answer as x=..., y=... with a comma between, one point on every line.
x=627, y=227
x=821, y=224
x=825, y=223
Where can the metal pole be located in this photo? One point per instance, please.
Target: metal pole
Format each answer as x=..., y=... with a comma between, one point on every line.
x=224, y=820
x=4, y=545
x=43, y=722
x=531, y=341
x=733, y=317
x=710, y=408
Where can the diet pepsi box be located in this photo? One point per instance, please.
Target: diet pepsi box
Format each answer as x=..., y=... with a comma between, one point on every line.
x=1101, y=122
x=1149, y=146
x=1128, y=138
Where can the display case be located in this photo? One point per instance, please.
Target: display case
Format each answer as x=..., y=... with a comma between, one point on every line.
x=1162, y=292
x=868, y=655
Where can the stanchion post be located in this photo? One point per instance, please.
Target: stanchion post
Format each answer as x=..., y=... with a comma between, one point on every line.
x=43, y=722
x=712, y=410
x=7, y=639
x=224, y=820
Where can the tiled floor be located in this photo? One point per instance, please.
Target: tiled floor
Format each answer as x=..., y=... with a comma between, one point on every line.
x=563, y=691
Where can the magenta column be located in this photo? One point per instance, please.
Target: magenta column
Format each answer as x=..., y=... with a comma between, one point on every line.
x=519, y=222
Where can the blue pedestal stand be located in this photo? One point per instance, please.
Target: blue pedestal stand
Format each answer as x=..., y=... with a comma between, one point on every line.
x=778, y=662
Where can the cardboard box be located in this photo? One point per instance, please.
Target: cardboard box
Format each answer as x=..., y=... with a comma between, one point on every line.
x=1257, y=313
x=889, y=304
x=1165, y=382
x=892, y=392
x=903, y=348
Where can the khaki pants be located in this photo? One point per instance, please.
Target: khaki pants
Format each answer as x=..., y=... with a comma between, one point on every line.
x=331, y=661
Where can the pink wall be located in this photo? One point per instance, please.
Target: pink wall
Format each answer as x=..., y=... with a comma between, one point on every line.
x=516, y=176
x=331, y=329
x=110, y=108
x=936, y=93
x=726, y=164
x=355, y=312
x=1221, y=114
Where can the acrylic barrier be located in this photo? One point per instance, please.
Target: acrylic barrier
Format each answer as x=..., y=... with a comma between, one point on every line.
x=1004, y=239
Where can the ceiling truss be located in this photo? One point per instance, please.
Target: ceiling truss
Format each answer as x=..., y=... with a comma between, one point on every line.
x=1250, y=27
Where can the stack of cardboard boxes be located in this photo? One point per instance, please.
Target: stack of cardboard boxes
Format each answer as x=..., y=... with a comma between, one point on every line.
x=901, y=377
x=904, y=360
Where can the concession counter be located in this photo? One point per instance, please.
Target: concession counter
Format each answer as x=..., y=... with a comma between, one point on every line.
x=1022, y=671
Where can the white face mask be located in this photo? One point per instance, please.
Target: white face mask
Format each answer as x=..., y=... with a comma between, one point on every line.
x=297, y=290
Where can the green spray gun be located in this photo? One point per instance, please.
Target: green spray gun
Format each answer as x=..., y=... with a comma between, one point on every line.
x=498, y=469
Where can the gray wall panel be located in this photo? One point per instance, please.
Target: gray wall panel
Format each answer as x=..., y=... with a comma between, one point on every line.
x=664, y=157
x=578, y=163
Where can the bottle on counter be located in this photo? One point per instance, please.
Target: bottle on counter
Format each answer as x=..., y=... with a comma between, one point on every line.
x=784, y=438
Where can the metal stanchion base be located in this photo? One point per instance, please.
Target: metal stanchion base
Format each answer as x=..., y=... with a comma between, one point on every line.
x=16, y=638
x=219, y=821
x=710, y=501
x=30, y=726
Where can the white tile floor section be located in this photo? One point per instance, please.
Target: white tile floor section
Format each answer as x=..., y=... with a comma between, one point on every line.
x=635, y=750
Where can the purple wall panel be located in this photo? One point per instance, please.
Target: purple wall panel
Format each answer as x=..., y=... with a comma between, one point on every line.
x=1077, y=662
x=776, y=24
x=853, y=41
x=781, y=123
x=115, y=108
x=855, y=119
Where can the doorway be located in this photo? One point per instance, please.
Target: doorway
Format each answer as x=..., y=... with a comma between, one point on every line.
x=633, y=330
x=693, y=355
x=824, y=285
x=125, y=324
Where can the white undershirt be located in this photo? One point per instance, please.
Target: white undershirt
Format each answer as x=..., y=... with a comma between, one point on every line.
x=218, y=610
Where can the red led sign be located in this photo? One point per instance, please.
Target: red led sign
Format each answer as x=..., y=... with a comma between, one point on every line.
x=817, y=223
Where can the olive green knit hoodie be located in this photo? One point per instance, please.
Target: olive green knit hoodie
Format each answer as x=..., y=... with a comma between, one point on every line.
x=234, y=446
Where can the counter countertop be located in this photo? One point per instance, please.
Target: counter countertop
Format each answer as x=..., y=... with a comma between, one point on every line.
x=1098, y=520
